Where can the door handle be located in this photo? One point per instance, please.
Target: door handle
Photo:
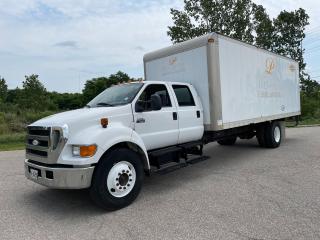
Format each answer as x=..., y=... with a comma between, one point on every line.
x=174, y=115
x=140, y=120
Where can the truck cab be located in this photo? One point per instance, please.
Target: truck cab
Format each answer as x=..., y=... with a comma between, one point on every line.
x=110, y=144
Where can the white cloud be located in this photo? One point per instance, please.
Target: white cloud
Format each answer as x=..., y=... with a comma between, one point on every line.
x=89, y=37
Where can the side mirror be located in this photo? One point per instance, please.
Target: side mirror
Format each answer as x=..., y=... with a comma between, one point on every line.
x=139, y=106
x=156, y=103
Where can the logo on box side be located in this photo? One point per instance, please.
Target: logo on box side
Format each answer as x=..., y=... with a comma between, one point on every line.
x=270, y=65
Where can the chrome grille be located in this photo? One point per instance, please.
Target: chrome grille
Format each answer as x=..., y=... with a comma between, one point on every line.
x=38, y=141
x=44, y=144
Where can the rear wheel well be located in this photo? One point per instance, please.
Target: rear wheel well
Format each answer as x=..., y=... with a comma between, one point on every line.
x=133, y=147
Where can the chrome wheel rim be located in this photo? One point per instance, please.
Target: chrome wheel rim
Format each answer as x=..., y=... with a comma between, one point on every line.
x=121, y=179
x=277, y=134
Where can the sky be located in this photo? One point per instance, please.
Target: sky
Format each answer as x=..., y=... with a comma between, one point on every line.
x=67, y=42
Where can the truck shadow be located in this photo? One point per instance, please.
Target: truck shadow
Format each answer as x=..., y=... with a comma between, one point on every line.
x=61, y=203
x=221, y=160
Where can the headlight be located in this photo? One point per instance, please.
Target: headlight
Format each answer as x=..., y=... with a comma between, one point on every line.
x=76, y=150
x=84, y=150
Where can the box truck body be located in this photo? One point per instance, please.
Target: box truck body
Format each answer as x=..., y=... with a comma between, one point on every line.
x=239, y=84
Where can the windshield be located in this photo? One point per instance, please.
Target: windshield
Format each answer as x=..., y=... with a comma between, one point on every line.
x=116, y=95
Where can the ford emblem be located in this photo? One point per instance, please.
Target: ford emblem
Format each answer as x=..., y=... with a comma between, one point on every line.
x=35, y=142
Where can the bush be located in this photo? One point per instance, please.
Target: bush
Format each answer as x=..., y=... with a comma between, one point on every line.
x=31, y=116
x=310, y=106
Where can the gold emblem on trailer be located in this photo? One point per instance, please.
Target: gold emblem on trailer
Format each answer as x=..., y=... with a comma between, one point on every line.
x=172, y=60
x=270, y=65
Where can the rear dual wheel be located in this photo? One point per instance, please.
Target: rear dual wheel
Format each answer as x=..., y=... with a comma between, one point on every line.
x=270, y=135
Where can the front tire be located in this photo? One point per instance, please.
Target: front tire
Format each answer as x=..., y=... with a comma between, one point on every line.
x=117, y=179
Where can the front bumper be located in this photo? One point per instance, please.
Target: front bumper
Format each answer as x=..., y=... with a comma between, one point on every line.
x=59, y=177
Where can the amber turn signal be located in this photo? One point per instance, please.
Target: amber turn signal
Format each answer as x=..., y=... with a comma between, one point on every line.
x=104, y=122
x=88, y=151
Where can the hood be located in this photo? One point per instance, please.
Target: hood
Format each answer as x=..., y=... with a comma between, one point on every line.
x=83, y=117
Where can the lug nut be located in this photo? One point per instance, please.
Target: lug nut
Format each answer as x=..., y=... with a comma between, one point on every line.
x=128, y=185
x=124, y=187
x=117, y=179
x=130, y=175
x=127, y=171
x=130, y=180
x=117, y=184
x=120, y=187
x=123, y=171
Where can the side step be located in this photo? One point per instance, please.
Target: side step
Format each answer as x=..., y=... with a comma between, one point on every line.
x=170, y=167
x=175, y=157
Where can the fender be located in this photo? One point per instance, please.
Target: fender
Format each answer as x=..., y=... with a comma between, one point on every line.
x=126, y=135
x=105, y=138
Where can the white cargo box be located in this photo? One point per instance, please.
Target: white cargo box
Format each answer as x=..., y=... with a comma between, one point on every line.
x=238, y=83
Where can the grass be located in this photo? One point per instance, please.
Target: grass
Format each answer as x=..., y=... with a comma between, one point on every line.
x=14, y=141
x=306, y=121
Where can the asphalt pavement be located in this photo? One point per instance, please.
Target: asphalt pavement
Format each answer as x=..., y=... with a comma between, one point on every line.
x=240, y=192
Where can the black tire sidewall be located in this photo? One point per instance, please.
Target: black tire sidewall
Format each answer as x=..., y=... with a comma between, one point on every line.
x=99, y=192
x=270, y=138
x=261, y=136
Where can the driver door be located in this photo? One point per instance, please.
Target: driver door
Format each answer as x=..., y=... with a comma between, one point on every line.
x=157, y=128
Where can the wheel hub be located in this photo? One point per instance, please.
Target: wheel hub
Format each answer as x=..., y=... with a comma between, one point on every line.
x=121, y=179
x=277, y=134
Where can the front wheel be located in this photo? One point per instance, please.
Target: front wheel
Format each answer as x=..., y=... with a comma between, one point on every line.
x=117, y=179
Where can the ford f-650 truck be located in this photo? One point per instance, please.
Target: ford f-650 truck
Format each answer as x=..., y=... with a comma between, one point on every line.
x=211, y=88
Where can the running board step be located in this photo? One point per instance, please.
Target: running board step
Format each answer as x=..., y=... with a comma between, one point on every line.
x=170, y=167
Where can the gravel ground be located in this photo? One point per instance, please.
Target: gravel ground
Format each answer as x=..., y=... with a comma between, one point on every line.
x=240, y=192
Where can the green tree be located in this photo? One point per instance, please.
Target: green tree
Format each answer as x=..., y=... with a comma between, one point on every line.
x=34, y=95
x=66, y=101
x=263, y=27
x=96, y=85
x=118, y=77
x=3, y=90
x=93, y=87
x=228, y=17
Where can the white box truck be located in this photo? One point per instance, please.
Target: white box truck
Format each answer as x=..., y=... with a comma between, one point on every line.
x=211, y=88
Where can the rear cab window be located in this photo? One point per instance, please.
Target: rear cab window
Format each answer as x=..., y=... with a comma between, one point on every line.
x=183, y=95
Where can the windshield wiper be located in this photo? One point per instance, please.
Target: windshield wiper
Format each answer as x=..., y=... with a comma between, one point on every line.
x=103, y=104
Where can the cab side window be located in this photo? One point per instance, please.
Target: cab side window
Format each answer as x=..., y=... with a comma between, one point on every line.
x=161, y=90
x=183, y=95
